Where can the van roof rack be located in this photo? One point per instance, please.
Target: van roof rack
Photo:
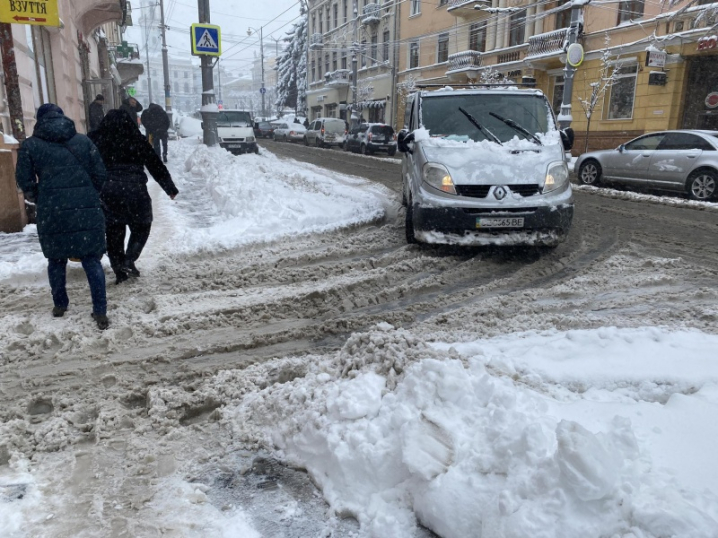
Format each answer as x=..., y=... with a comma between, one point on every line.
x=479, y=84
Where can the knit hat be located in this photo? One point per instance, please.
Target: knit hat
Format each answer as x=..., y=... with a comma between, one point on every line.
x=46, y=108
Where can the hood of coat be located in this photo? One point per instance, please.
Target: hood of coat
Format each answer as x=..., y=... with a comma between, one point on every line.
x=54, y=127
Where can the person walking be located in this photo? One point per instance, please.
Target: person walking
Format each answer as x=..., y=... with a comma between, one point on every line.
x=63, y=172
x=133, y=107
x=97, y=112
x=157, y=123
x=125, y=198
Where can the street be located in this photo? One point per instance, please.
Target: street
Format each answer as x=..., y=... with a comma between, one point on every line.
x=111, y=416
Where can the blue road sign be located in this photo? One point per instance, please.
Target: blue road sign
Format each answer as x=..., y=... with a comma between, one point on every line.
x=262, y=90
x=206, y=39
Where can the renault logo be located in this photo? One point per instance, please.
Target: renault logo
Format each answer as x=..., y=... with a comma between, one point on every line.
x=500, y=193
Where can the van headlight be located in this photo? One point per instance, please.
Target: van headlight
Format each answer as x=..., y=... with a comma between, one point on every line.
x=438, y=177
x=556, y=176
x=250, y=139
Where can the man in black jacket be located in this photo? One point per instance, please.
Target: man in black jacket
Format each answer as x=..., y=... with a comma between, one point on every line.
x=97, y=112
x=157, y=123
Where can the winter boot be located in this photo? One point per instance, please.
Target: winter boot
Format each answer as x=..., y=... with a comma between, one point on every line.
x=58, y=311
x=101, y=320
x=122, y=275
x=130, y=269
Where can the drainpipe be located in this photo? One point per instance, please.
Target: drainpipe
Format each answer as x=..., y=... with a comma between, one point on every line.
x=565, y=118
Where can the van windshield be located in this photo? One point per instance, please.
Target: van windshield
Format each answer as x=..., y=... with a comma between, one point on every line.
x=234, y=119
x=335, y=126
x=441, y=115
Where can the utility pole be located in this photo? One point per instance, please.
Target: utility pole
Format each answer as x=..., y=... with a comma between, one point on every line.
x=565, y=118
x=149, y=76
x=355, y=74
x=261, y=56
x=209, y=106
x=165, y=63
x=12, y=84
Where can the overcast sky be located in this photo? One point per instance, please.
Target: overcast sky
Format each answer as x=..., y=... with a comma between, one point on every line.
x=234, y=18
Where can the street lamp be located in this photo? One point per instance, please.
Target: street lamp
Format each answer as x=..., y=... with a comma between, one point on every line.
x=262, y=90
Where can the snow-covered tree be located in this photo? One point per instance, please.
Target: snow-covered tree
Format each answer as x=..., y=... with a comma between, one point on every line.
x=595, y=88
x=292, y=67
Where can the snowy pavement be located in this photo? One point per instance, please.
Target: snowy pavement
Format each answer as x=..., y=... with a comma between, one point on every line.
x=581, y=407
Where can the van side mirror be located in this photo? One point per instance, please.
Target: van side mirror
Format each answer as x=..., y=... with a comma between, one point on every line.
x=621, y=148
x=201, y=126
x=567, y=137
x=403, y=139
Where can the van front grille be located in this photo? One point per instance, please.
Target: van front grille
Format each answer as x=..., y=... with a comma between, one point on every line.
x=473, y=191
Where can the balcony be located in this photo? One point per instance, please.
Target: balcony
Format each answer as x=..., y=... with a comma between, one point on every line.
x=465, y=64
x=371, y=14
x=465, y=9
x=549, y=44
x=316, y=42
x=341, y=78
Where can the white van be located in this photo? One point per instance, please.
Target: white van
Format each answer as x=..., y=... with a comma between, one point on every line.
x=326, y=132
x=235, y=132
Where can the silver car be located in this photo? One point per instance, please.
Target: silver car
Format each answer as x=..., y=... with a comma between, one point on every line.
x=485, y=167
x=290, y=132
x=681, y=161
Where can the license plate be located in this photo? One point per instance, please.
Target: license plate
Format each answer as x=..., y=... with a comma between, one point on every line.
x=379, y=138
x=234, y=146
x=515, y=222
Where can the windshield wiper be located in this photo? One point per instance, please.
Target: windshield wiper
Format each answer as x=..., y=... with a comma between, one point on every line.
x=516, y=127
x=480, y=127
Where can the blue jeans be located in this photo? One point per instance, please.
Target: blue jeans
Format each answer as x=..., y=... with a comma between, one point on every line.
x=56, y=272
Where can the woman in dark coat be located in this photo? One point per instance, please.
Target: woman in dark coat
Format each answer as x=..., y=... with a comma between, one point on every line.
x=63, y=172
x=126, y=201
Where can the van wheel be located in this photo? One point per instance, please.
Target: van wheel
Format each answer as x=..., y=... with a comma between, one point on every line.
x=363, y=150
x=409, y=224
x=317, y=143
x=306, y=141
x=391, y=152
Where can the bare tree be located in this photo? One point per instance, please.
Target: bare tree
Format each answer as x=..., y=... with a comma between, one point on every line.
x=596, y=89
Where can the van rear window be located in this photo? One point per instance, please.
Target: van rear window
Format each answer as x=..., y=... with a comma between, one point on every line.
x=335, y=126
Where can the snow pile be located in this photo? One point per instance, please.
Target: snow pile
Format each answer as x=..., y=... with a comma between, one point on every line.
x=543, y=434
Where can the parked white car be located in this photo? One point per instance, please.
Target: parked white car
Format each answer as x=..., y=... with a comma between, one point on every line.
x=290, y=132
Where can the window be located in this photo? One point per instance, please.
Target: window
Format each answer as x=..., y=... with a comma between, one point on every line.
x=442, y=48
x=684, y=141
x=517, y=28
x=415, y=7
x=321, y=21
x=644, y=143
x=623, y=91
x=413, y=55
x=186, y=87
x=186, y=74
x=363, y=53
x=443, y=2
x=477, y=37
x=346, y=11
x=557, y=94
x=344, y=60
x=385, y=47
x=563, y=18
x=629, y=10
x=329, y=27
x=374, y=44
x=314, y=23
x=335, y=7
x=334, y=61
x=326, y=63
x=314, y=71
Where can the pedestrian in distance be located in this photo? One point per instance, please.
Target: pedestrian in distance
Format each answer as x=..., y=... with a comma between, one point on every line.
x=133, y=107
x=125, y=199
x=63, y=172
x=306, y=123
x=97, y=112
x=157, y=123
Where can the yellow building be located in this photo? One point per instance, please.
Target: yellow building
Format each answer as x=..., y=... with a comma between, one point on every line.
x=662, y=75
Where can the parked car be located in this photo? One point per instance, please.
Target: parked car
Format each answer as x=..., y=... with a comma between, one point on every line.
x=325, y=133
x=290, y=132
x=263, y=129
x=484, y=167
x=681, y=161
x=371, y=137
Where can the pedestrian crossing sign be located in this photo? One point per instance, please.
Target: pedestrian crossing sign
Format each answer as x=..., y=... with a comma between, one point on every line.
x=206, y=40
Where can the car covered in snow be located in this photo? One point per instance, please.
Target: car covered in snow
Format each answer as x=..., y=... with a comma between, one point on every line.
x=484, y=166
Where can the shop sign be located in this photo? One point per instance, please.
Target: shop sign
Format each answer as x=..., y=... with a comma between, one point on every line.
x=39, y=13
x=712, y=100
x=707, y=43
x=656, y=58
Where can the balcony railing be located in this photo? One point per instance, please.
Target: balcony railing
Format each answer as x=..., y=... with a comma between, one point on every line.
x=337, y=79
x=371, y=14
x=467, y=59
x=507, y=57
x=548, y=43
x=315, y=41
x=466, y=7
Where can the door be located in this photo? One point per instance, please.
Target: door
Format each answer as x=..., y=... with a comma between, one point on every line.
x=631, y=164
x=674, y=159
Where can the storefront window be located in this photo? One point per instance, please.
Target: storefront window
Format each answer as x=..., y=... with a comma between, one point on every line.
x=623, y=93
x=557, y=94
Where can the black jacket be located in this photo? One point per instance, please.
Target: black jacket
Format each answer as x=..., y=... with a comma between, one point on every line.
x=126, y=153
x=155, y=120
x=96, y=114
x=63, y=171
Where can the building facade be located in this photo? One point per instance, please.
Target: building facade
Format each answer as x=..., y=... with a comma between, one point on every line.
x=348, y=36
